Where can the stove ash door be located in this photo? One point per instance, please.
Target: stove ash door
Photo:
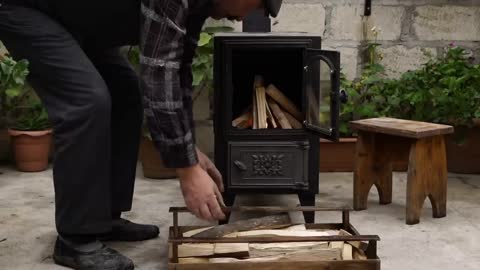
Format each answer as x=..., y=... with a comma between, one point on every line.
x=322, y=92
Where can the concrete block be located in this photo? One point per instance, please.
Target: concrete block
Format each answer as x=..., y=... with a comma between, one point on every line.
x=300, y=18
x=349, y=59
x=201, y=106
x=205, y=139
x=346, y=22
x=447, y=23
x=399, y=59
x=237, y=26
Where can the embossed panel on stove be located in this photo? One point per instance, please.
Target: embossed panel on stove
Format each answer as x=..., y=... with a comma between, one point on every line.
x=257, y=164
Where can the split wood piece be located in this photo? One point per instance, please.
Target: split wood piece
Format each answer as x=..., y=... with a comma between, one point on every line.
x=193, y=232
x=193, y=260
x=303, y=256
x=288, y=246
x=300, y=227
x=277, y=112
x=284, y=102
x=347, y=252
x=239, y=250
x=196, y=250
x=219, y=231
x=242, y=118
x=236, y=250
x=261, y=107
x=358, y=247
x=271, y=120
x=357, y=244
x=329, y=232
x=294, y=122
x=246, y=124
x=359, y=254
x=269, y=233
x=275, y=249
x=336, y=244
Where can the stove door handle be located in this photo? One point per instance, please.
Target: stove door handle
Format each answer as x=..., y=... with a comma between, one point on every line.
x=240, y=165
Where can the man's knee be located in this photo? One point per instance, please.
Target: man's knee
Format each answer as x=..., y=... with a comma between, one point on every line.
x=86, y=106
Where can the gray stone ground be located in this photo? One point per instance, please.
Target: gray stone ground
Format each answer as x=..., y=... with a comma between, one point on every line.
x=27, y=232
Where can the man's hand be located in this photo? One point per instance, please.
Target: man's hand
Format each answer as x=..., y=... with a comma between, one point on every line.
x=201, y=194
x=211, y=169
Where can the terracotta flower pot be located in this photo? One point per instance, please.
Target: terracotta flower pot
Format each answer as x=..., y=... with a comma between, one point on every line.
x=340, y=156
x=464, y=158
x=31, y=149
x=152, y=163
x=337, y=156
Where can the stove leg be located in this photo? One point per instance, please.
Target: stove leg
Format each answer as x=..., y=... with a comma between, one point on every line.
x=229, y=199
x=307, y=199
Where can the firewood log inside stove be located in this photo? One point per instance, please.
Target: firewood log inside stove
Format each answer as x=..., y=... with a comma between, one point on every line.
x=270, y=109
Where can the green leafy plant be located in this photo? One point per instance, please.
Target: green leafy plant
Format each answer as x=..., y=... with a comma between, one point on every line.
x=445, y=90
x=20, y=108
x=12, y=81
x=202, y=65
x=364, y=93
x=32, y=117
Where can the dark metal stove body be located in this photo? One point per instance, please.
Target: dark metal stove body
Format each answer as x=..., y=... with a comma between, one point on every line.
x=281, y=161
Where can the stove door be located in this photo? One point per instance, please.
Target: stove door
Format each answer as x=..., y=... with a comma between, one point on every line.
x=322, y=90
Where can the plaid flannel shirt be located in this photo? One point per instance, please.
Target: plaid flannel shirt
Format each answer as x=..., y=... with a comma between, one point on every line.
x=169, y=34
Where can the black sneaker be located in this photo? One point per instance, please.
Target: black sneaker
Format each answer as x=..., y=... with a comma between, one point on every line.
x=124, y=230
x=101, y=258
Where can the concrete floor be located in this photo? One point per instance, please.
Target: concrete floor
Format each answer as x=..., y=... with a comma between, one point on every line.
x=27, y=230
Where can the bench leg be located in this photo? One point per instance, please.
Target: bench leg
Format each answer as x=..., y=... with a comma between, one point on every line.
x=372, y=167
x=427, y=177
x=439, y=180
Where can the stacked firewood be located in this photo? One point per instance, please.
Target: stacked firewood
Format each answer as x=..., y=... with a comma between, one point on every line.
x=270, y=109
x=270, y=226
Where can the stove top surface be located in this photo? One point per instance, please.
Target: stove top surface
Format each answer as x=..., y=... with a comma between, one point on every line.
x=266, y=34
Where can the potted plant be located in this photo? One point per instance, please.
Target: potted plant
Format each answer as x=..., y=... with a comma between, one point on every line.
x=31, y=135
x=202, y=72
x=25, y=117
x=8, y=68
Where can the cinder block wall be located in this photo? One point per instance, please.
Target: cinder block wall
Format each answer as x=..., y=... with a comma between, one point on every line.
x=407, y=28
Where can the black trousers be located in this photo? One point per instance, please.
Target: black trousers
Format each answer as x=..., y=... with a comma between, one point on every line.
x=92, y=97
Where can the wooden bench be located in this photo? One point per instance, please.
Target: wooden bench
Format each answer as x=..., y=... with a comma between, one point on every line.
x=380, y=140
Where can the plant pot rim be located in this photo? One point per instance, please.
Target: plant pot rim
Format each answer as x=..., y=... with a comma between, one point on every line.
x=341, y=140
x=36, y=133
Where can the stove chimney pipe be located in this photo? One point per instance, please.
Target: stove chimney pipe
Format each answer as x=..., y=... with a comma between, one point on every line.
x=257, y=21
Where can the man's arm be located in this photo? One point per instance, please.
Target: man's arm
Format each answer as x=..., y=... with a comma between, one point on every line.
x=167, y=46
x=165, y=89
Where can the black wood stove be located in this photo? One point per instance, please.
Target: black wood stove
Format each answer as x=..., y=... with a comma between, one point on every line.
x=274, y=160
